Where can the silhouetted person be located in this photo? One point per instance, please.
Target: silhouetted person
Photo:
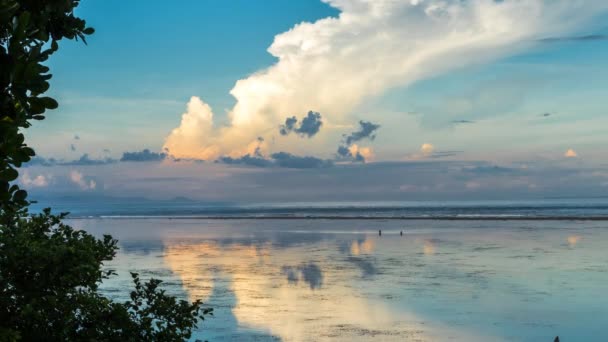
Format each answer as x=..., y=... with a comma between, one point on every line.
x=556, y=339
x=379, y=232
x=401, y=233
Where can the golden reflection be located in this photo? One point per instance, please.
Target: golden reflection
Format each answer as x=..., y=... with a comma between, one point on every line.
x=188, y=261
x=573, y=240
x=429, y=247
x=365, y=247
x=266, y=299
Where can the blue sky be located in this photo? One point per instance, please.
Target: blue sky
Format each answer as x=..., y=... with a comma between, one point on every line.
x=206, y=85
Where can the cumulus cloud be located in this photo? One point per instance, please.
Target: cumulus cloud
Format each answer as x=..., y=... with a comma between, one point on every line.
x=570, y=153
x=83, y=182
x=336, y=63
x=194, y=136
x=142, y=156
x=310, y=125
x=349, y=150
x=366, y=131
x=427, y=149
x=38, y=181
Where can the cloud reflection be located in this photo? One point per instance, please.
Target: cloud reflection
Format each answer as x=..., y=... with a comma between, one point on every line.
x=573, y=240
x=310, y=274
x=429, y=247
x=265, y=302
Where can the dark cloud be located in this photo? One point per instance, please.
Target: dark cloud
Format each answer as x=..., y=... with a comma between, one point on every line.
x=344, y=153
x=366, y=131
x=444, y=154
x=142, y=156
x=546, y=115
x=457, y=122
x=258, y=149
x=40, y=161
x=310, y=274
x=85, y=160
x=289, y=125
x=584, y=38
x=76, y=137
x=288, y=160
x=309, y=127
x=279, y=159
x=246, y=160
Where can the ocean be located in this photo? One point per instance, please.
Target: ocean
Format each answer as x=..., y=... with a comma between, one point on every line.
x=470, y=271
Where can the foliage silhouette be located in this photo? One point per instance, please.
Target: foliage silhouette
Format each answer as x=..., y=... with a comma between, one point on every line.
x=50, y=272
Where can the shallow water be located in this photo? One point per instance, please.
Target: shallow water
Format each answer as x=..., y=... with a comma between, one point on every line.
x=338, y=280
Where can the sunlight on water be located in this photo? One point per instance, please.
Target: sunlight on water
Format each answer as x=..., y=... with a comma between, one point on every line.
x=339, y=280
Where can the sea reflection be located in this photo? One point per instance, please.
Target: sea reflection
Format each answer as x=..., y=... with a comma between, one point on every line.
x=339, y=280
x=292, y=291
x=573, y=240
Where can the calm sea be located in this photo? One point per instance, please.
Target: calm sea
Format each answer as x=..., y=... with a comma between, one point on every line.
x=323, y=278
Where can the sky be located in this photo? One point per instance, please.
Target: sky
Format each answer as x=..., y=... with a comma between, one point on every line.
x=328, y=100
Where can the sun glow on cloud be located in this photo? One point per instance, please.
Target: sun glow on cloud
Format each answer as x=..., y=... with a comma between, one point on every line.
x=335, y=64
x=570, y=153
x=427, y=149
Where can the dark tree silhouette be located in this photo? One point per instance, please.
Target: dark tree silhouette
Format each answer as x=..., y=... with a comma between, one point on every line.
x=50, y=272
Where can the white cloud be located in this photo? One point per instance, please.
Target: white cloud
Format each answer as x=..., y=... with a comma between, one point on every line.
x=79, y=179
x=38, y=181
x=334, y=64
x=427, y=149
x=571, y=153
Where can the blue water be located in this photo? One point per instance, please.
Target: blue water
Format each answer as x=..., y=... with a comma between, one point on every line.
x=542, y=208
x=339, y=280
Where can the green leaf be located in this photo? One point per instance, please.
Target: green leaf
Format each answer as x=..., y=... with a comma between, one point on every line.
x=8, y=175
x=20, y=195
x=49, y=103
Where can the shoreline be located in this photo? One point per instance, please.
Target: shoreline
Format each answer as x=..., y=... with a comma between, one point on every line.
x=383, y=218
